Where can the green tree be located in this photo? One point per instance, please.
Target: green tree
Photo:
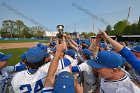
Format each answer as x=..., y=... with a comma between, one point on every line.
x=37, y=31
x=91, y=34
x=108, y=29
x=84, y=34
x=5, y=27
x=11, y=27
x=131, y=30
x=139, y=26
x=19, y=26
x=26, y=32
x=119, y=27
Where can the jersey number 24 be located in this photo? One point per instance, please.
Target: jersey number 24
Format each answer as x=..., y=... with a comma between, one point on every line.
x=28, y=89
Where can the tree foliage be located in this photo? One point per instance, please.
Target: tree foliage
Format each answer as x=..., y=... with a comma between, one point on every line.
x=18, y=29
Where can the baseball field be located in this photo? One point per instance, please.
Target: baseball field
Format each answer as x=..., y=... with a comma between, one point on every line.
x=17, y=47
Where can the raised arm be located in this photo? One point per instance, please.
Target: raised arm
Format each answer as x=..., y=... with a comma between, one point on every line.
x=127, y=54
x=118, y=47
x=53, y=67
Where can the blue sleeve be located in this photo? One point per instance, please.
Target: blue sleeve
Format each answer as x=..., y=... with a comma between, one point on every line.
x=75, y=69
x=20, y=68
x=131, y=59
x=78, y=41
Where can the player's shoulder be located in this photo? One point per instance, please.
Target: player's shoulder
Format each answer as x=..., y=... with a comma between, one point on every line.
x=19, y=74
x=17, y=78
x=45, y=67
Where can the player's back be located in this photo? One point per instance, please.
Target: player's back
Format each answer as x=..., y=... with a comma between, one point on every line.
x=25, y=82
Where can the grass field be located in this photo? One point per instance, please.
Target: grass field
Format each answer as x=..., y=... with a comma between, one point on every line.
x=20, y=41
x=16, y=54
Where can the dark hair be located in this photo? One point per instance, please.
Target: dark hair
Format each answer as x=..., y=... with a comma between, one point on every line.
x=35, y=65
x=87, y=57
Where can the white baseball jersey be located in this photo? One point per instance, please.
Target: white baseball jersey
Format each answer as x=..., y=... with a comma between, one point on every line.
x=74, y=62
x=123, y=85
x=4, y=77
x=24, y=82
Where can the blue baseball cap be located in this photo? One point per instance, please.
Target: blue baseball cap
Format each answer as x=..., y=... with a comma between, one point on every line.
x=64, y=83
x=136, y=48
x=106, y=59
x=35, y=55
x=103, y=45
x=71, y=53
x=23, y=56
x=52, y=44
x=87, y=52
x=39, y=45
x=46, y=54
x=4, y=56
x=87, y=42
x=44, y=47
x=123, y=60
x=53, y=49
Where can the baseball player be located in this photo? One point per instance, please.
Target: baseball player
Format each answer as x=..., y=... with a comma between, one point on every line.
x=22, y=58
x=89, y=82
x=3, y=72
x=6, y=70
x=113, y=79
x=32, y=79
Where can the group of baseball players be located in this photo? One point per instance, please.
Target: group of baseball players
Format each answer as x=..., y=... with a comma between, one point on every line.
x=74, y=66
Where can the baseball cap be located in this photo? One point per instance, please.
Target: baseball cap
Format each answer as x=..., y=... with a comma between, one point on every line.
x=4, y=56
x=123, y=60
x=103, y=45
x=106, y=59
x=52, y=44
x=44, y=47
x=23, y=56
x=87, y=42
x=71, y=53
x=64, y=83
x=53, y=49
x=38, y=44
x=35, y=55
x=46, y=54
x=136, y=48
x=87, y=52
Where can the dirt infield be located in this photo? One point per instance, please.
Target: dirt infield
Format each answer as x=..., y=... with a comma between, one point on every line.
x=17, y=45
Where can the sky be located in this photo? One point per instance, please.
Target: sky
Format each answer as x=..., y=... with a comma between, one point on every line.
x=50, y=13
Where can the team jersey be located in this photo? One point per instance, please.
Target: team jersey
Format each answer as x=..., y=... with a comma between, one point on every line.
x=4, y=77
x=123, y=85
x=63, y=65
x=47, y=90
x=74, y=62
x=88, y=76
x=24, y=82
